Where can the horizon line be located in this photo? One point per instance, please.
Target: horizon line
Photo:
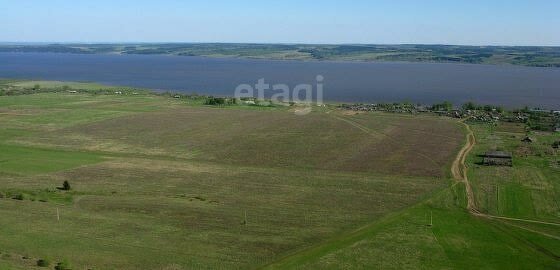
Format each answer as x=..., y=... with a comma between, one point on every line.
x=258, y=43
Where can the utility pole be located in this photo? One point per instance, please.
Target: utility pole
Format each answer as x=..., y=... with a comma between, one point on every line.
x=497, y=199
x=431, y=219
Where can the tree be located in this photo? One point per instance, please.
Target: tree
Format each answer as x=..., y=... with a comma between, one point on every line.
x=469, y=106
x=43, y=263
x=448, y=105
x=445, y=106
x=66, y=185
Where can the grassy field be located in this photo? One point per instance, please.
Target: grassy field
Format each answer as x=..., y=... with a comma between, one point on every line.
x=457, y=239
x=531, y=188
x=163, y=183
x=404, y=240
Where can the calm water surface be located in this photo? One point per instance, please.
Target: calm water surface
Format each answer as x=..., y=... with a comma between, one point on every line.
x=344, y=81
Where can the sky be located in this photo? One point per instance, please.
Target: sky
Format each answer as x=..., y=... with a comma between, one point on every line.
x=461, y=22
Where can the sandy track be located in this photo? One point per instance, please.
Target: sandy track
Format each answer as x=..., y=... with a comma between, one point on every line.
x=459, y=172
x=459, y=169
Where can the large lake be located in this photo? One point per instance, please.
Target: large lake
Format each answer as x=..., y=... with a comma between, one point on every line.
x=344, y=81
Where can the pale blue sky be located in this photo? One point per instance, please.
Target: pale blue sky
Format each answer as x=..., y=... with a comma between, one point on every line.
x=472, y=22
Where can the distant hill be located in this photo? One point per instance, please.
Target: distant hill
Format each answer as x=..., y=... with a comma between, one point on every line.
x=524, y=56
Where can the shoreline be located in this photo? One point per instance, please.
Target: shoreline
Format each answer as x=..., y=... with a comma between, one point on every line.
x=187, y=93
x=294, y=60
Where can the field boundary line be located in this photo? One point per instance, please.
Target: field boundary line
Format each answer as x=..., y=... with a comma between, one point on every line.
x=371, y=132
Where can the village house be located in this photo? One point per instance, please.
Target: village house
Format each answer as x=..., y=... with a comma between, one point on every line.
x=498, y=158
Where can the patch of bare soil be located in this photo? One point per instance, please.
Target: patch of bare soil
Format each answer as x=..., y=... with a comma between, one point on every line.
x=524, y=151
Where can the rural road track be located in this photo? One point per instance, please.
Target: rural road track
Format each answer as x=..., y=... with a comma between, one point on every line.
x=459, y=172
x=459, y=168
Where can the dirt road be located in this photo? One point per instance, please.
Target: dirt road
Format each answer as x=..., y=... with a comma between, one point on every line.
x=459, y=169
x=459, y=172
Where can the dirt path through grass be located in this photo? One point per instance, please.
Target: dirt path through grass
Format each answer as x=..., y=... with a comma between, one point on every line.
x=459, y=172
x=459, y=168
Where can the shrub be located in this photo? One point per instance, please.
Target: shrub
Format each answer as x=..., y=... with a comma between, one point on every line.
x=43, y=263
x=200, y=198
x=215, y=101
x=19, y=197
x=66, y=186
x=62, y=266
x=220, y=101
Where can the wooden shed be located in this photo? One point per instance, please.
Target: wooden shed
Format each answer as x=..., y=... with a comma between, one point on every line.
x=498, y=158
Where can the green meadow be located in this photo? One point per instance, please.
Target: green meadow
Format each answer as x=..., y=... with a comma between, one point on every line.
x=168, y=183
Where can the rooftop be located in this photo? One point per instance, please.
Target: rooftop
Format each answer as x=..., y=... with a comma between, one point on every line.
x=498, y=154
